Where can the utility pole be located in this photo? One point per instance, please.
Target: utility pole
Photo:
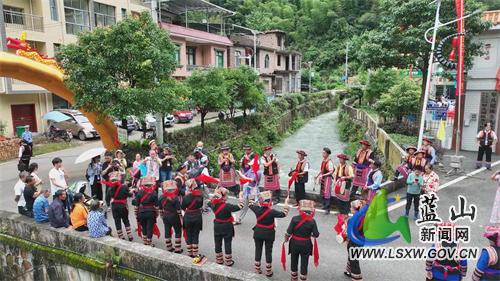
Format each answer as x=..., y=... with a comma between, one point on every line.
x=346, y=62
x=429, y=74
x=155, y=10
x=254, y=50
x=310, y=75
x=432, y=41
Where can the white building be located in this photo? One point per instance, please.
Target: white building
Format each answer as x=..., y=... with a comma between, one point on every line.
x=483, y=86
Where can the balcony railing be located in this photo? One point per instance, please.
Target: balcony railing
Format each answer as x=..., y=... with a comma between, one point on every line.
x=141, y=2
x=23, y=21
x=197, y=67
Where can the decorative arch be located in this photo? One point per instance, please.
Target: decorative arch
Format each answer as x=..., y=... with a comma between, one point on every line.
x=52, y=80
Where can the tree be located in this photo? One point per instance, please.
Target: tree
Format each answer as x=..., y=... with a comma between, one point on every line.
x=400, y=100
x=244, y=89
x=122, y=70
x=208, y=91
x=379, y=81
x=398, y=41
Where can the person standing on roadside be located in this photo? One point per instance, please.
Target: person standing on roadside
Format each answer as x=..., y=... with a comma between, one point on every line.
x=301, y=174
x=415, y=182
x=166, y=159
x=30, y=195
x=108, y=167
x=324, y=178
x=33, y=170
x=27, y=136
x=19, y=193
x=431, y=179
x=153, y=163
x=93, y=176
x=120, y=157
x=57, y=177
x=24, y=155
x=486, y=138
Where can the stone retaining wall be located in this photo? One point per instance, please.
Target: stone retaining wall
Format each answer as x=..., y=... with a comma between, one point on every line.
x=391, y=150
x=134, y=256
x=9, y=149
x=387, y=146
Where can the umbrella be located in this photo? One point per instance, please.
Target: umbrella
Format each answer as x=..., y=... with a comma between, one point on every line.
x=89, y=154
x=56, y=116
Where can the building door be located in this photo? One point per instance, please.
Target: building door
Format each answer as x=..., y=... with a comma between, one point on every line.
x=24, y=114
x=279, y=85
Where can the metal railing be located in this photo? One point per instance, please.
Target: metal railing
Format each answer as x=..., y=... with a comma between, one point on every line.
x=23, y=21
x=140, y=2
x=197, y=67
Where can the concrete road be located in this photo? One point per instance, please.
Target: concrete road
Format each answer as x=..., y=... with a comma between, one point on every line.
x=478, y=190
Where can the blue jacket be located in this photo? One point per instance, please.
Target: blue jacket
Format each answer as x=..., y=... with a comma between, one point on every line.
x=40, y=208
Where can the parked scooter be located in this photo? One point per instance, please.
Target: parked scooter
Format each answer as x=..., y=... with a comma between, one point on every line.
x=59, y=134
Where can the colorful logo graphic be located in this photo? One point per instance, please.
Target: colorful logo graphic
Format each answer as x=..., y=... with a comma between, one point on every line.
x=371, y=225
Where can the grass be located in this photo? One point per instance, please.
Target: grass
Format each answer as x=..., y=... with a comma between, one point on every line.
x=43, y=148
x=404, y=139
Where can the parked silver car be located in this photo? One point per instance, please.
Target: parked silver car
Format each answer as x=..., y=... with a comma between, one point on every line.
x=79, y=125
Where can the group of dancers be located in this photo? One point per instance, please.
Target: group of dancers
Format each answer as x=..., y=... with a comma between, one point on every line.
x=180, y=202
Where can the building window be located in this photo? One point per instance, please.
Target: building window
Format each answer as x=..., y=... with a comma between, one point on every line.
x=279, y=60
x=266, y=61
x=54, y=14
x=219, y=58
x=13, y=15
x=278, y=37
x=191, y=55
x=104, y=15
x=178, y=55
x=237, y=58
x=59, y=103
x=76, y=14
x=57, y=47
x=293, y=63
x=124, y=13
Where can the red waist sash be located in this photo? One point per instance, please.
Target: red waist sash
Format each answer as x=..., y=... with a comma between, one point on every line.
x=298, y=238
x=271, y=226
x=120, y=201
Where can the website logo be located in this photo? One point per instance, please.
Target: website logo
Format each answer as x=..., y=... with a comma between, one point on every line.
x=371, y=225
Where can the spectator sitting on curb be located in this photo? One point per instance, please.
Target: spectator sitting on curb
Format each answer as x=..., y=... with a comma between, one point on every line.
x=96, y=221
x=79, y=213
x=41, y=207
x=57, y=212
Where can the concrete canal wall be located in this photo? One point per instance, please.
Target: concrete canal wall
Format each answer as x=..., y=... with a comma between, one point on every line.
x=134, y=257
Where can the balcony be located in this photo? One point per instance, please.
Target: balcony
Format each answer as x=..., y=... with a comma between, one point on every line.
x=492, y=16
x=195, y=36
x=23, y=21
x=197, y=67
x=141, y=3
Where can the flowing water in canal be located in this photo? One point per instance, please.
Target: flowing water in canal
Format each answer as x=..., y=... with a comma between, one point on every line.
x=312, y=137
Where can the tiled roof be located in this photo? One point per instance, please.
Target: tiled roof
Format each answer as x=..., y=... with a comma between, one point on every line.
x=189, y=33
